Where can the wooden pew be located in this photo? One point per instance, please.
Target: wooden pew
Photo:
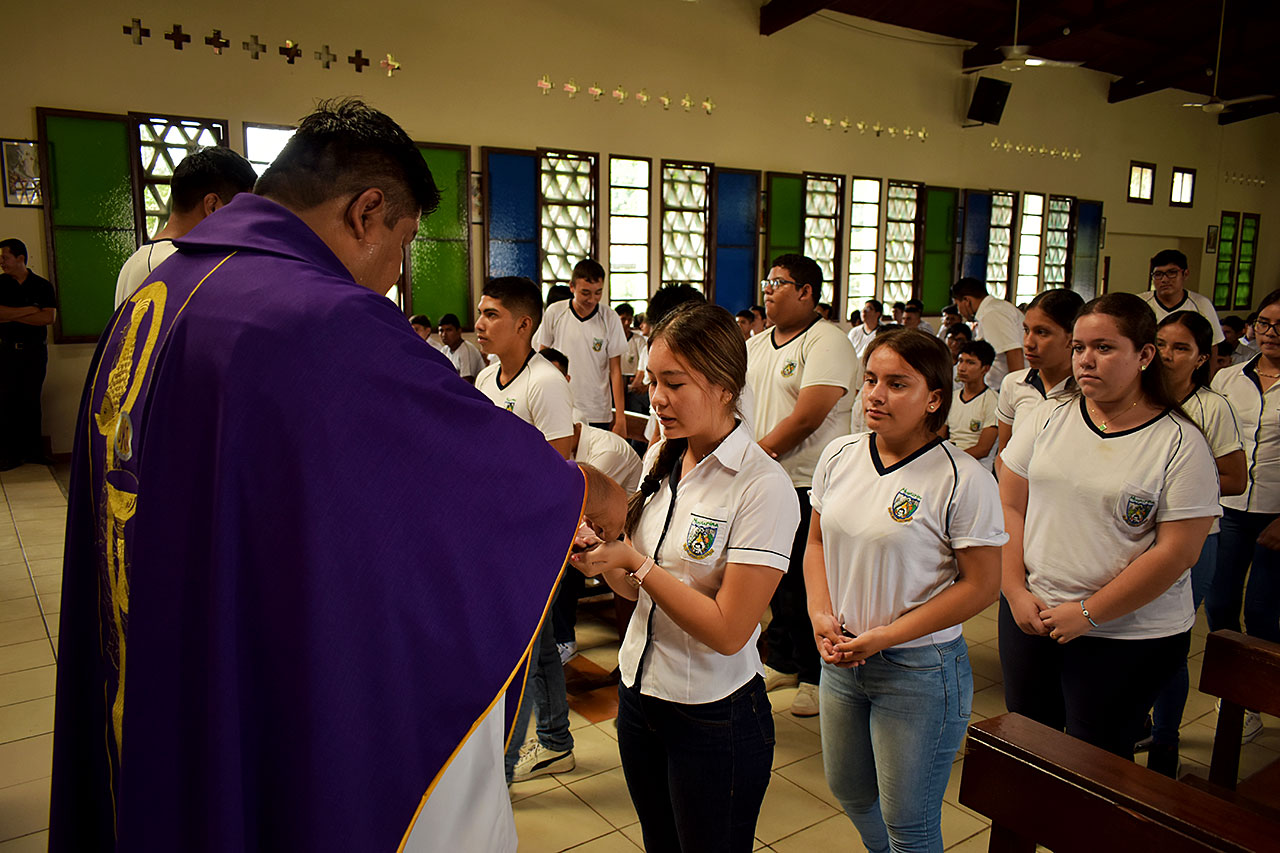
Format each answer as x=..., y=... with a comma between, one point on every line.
x=1245, y=673
x=1042, y=786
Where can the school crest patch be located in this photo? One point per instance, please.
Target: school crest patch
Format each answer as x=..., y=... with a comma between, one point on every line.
x=701, y=537
x=510, y=404
x=904, y=505
x=789, y=368
x=975, y=425
x=596, y=343
x=1137, y=510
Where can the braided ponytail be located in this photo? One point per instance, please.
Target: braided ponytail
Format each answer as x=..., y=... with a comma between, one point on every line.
x=668, y=458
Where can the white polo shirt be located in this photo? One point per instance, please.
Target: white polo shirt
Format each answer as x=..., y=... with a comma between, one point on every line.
x=1212, y=413
x=736, y=506
x=588, y=342
x=820, y=355
x=609, y=453
x=860, y=336
x=637, y=346
x=1023, y=390
x=466, y=358
x=1191, y=301
x=1094, y=499
x=890, y=533
x=1000, y=324
x=1259, y=417
x=538, y=394
x=968, y=418
x=140, y=265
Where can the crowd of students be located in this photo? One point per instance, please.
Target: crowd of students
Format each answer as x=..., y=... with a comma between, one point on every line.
x=844, y=485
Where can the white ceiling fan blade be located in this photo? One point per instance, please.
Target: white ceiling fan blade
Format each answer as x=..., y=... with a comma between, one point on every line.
x=1248, y=100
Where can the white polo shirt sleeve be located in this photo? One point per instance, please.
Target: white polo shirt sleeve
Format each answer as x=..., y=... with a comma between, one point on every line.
x=1218, y=422
x=550, y=400
x=829, y=359
x=1002, y=328
x=764, y=524
x=977, y=518
x=1006, y=411
x=546, y=334
x=1190, y=482
x=615, y=340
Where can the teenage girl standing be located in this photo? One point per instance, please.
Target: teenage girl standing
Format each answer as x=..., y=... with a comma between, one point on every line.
x=1046, y=345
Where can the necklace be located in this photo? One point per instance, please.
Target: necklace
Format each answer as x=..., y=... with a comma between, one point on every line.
x=1103, y=424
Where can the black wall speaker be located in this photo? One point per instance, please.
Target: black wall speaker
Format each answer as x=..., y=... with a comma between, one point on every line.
x=989, y=98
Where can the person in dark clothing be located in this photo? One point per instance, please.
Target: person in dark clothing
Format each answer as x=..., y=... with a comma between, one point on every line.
x=26, y=308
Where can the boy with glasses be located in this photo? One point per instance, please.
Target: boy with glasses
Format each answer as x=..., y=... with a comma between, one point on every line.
x=1169, y=277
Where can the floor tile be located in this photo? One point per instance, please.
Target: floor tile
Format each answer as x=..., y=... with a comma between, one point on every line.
x=25, y=760
x=24, y=809
x=985, y=660
x=614, y=842
x=793, y=741
x=833, y=833
x=989, y=702
x=808, y=774
x=607, y=794
x=787, y=809
x=26, y=719
x=28, y=655
x=533, y=787
x=27, y=684
x=979, y=629
x=593, y=752
x=959, y=824
x=974, y=844
x=556, y=820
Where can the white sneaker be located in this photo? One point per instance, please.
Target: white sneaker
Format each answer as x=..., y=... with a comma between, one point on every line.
x=1252, y=726
x=567, y=651
x=806, y=702
x=540, y=761
x=774, y=679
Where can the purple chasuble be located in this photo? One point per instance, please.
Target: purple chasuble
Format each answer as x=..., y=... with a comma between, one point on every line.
x=303, y=558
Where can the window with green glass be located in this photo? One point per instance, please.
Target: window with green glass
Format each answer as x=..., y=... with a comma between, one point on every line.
x=88, y=215
x=1225, y=268
x=686, y=214
x=162, y=142
x=437, y=271
x=1246, y=258
x=864, y=242
x=629, y=197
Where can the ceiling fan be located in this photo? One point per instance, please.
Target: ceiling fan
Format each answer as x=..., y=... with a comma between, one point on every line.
x=1018, y=56
x=1215, y=105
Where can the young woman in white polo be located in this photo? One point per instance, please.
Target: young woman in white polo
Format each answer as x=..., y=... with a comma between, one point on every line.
x=1046, y=345
x=1185, y=342
x=1108, y=498
x=711, y=531
x=904, y=545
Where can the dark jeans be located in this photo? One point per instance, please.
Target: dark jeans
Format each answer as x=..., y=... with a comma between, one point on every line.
x=564, y=610
x=1237, y=548
x=544, y=692
x=1166, y=714
x=21, y=378
x=697, y=773
x=1096, y=688
x=790, y=634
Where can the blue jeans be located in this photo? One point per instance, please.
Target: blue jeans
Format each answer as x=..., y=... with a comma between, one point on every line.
x=544, y=691
x=1166, y=714
x=1237, y=548
x=697, y=773
x=890, y=731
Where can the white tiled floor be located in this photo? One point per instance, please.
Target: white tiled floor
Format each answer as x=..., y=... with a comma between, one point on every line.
x=587, y=810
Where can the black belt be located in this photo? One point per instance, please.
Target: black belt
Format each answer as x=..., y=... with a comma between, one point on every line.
x=20, y=344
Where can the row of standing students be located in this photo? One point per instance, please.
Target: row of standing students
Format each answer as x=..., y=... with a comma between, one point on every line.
x=1106, y=500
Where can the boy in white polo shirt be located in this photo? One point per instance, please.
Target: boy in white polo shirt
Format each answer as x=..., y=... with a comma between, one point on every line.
x=594, y=341
x=971, y=423
x=995, y=321
x=804, y=376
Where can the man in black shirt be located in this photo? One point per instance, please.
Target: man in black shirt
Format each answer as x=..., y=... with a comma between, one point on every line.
x=26, y=308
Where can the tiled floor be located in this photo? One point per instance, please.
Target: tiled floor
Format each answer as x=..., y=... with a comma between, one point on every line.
x=587, y=810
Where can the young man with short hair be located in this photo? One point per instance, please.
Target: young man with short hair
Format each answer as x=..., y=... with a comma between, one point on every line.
x=1169, y=279
x=804, y=376
x=465, y=356
x=633, y=361
x=594, y=341
x=27, y=309
x=746, y=319
x=862, y=333
x=422, y=326
x=995, y=321
x=971, y=425
x=898, y=309
x=950, y=316
x=204, y=181
x=761, y=322
x=913, y=317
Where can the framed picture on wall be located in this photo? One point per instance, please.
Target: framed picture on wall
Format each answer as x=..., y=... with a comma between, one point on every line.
x=21, y=173
x=1211, y=241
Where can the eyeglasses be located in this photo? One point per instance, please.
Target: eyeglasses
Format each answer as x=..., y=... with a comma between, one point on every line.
x=1170, y=275
x=769, y=285
x=1261, y=326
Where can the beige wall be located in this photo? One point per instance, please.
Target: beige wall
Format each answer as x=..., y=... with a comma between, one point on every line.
x=468, y=77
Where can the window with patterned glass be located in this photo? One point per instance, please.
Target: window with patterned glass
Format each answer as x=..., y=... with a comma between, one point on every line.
x=567, y=201
x=823, y=202
x=901, y=237
x=1030, y=244
x=1184, y=187
x=1247, y=258
x=629, y=182
x=264, y=142
x=162, y=143
x=1057, y=241
x=686, y=208
x=1000, y=243
x=864, y=242
x=1142, y=179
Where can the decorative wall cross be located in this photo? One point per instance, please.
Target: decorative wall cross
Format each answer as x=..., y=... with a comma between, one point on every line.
x=178, y=37
x=357, y=59
x=255, y=47
x=290, y=51
x=217, y=42
x=138, y=31
x=325, y=57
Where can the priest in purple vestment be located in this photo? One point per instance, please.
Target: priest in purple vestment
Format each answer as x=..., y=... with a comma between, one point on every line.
x=275, y=636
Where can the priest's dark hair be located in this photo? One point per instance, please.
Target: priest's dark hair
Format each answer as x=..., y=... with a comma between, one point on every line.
x=344, y=148
x=210, y=170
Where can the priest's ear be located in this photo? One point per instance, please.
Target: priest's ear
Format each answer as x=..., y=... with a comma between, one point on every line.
x=365, y=210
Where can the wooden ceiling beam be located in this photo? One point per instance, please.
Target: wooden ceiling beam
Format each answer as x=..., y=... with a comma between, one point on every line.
x=1244, y=112
x=777, y=15
x=1050, y=35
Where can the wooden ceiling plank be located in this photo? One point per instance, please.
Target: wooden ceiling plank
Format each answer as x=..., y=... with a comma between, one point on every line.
x=777, y=15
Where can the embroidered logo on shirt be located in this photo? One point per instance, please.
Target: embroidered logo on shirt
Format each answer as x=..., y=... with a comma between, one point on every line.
x=596, y=343
x=904, y=505
x=510, y=405
x=789, y=369
x=701, y=537
x=975, y=425
x=1137, y=510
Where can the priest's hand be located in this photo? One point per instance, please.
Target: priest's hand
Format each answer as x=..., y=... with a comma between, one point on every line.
x=606, y=509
